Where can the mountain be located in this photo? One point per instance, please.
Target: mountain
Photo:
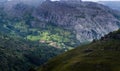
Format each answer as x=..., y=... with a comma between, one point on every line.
x=112, y=4
x=26, y=41
x=100, y=55
x=22, y=20
x=87, y=19
x=48, y=29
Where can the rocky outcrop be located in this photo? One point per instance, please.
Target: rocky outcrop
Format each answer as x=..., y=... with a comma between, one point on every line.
x=88, y=20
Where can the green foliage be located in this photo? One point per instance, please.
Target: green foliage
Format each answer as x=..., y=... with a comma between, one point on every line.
x=21, y=26
x=17, y=54
x=50, y=33
x=100, y=55
x=59, y=36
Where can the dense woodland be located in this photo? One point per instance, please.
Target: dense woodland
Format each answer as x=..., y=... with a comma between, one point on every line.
x=17, y=54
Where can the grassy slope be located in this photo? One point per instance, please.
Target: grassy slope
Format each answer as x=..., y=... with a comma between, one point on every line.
x=102, y=55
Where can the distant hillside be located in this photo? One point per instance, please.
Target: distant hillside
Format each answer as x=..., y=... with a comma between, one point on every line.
x=101, y=55
x=112, y=4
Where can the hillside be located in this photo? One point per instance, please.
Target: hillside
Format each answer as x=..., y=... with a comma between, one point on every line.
x=84, y=20
x=101, y=55
x=87, y=20
x=21, y=20
x=17, y=54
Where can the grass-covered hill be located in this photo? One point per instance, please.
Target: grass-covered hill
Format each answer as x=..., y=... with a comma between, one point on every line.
x=17, y=54
x=101, y=55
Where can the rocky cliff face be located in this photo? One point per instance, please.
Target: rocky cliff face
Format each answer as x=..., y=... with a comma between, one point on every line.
x=88, y=20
